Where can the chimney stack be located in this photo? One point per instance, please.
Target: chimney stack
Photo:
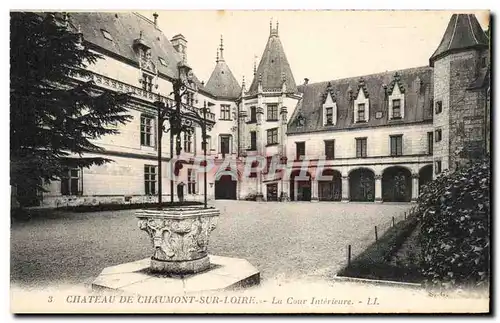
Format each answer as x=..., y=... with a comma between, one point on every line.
x=306, y=81
x=155, y=17
x=180, y=45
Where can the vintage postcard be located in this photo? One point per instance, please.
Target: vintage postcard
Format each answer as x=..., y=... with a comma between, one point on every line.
x=250, y=161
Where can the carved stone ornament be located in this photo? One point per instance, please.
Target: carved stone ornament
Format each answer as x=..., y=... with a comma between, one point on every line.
x=146, y=61
x=179, y=237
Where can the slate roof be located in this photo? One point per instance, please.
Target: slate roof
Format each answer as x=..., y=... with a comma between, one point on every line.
x=124, y=28
x=222, y=83
x=273, y=67
x=415, y=82
x=463, y=32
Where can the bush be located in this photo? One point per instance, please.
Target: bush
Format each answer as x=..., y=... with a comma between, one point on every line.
x=454, y=214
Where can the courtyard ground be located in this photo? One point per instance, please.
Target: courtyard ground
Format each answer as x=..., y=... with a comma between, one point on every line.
x=285, y=241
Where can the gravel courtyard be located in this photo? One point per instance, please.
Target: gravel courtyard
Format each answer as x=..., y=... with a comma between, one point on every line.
x=287, y=241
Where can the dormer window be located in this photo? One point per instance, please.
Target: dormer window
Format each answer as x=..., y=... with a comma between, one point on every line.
x=329, y=116
x=329, y=107
x=361, y=117
x=106, y=34
x=162, y=61
x=396, y=99
x=361, y=104
x=396, y=109
x=147, y=82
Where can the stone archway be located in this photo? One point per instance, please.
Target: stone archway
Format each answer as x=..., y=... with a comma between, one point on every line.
x=362, y=185
x=424, y=176
x=330, y=190
x=396, y=184
x=300, y=190
x=225, y=188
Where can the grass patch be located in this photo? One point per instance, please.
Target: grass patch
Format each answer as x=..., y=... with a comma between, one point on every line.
x=375, y=262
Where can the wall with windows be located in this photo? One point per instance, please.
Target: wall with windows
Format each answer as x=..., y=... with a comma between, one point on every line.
x=442, y=103
x=224, y=135
x=378, y=141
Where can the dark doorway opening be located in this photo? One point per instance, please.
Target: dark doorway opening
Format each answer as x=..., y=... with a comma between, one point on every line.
x=225, y=188
x=272, y=192
x=303, y=187
x=424, y=177
x=396, y=184
x=330, y=190
x=362, y=185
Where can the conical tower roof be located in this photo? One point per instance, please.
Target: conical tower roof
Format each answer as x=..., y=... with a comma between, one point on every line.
x=222, y=83
x=463, y=32
x=273, y=67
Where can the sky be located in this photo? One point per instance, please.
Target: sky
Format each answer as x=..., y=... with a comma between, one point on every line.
x=319, y=45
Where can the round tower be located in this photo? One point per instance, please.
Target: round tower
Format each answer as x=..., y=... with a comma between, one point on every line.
x=459, y=102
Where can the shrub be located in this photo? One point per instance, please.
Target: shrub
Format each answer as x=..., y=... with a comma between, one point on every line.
x=454, y=214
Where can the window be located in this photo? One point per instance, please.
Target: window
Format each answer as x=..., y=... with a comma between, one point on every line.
x=253, y=140
x=162, y=61
x=439, y=134
x=437, y=166
x=191, y=181
x=430, y=142
x=188, y=138
x=360, y=147
x=272, y=112
x=439, y=107
x=396, y=109
x=272, y=136
x=330, y=149
x=149, y=179
x=397, y=145
x=225, y=112
x=361, y=113
x=253, y=114
x=225, y=141
x=329, y=116
x=106, y=34
x=71, y=182
x=189, y=98
x=146, y=131
x=300, y=150
x=147, y=82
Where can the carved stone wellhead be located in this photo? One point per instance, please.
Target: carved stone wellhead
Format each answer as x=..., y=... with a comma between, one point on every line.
x=180, y=237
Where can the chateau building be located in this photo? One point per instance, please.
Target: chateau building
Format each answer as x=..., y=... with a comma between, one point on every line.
x=376, y=137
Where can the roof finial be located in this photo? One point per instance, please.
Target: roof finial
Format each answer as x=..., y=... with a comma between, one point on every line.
x=260, y=77
x=217, y=57
x=243, y=82
x=221, y=48
x=155, y=17
x=271, y=25
x=277, y=26
x=140, y=34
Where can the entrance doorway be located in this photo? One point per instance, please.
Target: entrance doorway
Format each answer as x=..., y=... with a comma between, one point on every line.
x=225, y=188
x=330, y=190
x=272, y=192
x=396, y=184
x=362, y=185
x=300, y=190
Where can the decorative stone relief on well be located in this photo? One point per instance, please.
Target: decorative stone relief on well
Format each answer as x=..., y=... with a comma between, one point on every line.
x=178, y=240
